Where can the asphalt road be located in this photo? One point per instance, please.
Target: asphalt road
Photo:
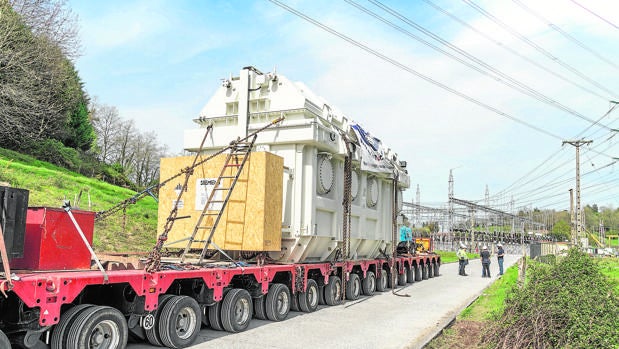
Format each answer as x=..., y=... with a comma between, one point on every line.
x=408, y=319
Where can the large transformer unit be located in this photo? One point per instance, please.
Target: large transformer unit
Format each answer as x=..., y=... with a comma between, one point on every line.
x=312, y=142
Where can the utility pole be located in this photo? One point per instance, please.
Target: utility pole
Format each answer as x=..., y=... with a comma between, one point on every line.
x=450, y=202
x=577, y=144
x=572, y=222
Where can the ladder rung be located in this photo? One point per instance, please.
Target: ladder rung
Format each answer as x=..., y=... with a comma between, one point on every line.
x=227, y=177
x=233, y=165
x=222, y=188
x=210, y=214
x=215, y=201
x=210, y=227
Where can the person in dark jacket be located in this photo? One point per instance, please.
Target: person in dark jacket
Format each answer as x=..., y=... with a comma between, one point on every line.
x=485, y=262
x=499, y=255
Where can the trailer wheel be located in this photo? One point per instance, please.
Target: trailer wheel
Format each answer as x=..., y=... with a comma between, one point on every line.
x=179, y=322
x=418, y=273
x=278, y=302
x=390, y=279
x=236, y=310
x=204, y=312
x=410, y=275
x=402, y=278
x=98, y=326
x=294, y=301
x=430, y=270
x=60, y=332
x=152, y=334
x=321, y=295
x=437, y=266
x=308, y=300
x=260, y=311
x=381, y=281
x=369, y=284
x=214, y=316
x=333, y=291
x=353, y=287
x=4, y=340
x=424, y=271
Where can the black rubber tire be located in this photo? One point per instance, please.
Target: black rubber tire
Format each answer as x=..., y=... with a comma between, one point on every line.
x=437, y=267
x=99, y=322
x=333, y=291
x=368, y=286
x=402, y=278
x=294, y=301
x=389, y=279
x=4, y=341
x=214, y=316
x=278, y=302
x=431, y=270
x=410, y=275
x=353, y=287
x=260, y=311
x=418, y=273
x=204, y=312
x=381, y=281
x=179, y=322
x=236, y=310
x=308, y=300
x=59, y=334
x=152, y=334
x=321, y=295
x=424, y=271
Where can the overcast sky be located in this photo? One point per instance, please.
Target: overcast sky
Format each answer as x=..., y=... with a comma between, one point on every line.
x=159, y=62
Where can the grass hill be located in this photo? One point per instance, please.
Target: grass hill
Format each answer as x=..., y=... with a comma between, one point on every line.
x=50, y=185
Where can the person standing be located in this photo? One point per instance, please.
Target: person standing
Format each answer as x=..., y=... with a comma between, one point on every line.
x=462, y=259
x=499, y=255
x=485, y=262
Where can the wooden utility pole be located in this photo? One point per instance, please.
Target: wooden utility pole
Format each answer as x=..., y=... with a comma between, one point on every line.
x=577, y=144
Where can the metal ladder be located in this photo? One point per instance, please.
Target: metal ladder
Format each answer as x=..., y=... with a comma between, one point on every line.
x=235, y=161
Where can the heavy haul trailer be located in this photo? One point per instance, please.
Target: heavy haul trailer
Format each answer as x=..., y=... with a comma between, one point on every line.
x=55, y=299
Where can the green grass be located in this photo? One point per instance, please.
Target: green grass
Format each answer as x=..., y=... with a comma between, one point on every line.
x=50, y=185
x=450, y=256
x=610, y=268
x=492, y=300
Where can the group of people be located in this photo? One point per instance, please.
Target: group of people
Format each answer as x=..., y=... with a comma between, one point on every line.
x=463, y=259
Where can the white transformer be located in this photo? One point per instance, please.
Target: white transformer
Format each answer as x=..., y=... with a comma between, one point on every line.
x=310, y=140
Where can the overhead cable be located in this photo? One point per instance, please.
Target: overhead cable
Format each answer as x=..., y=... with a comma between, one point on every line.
x=499, y=75
x=411, y=70
x=565, y=34
x=595, y=14
x=537, y=47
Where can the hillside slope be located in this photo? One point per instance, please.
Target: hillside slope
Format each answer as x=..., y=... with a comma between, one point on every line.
x=50, y=185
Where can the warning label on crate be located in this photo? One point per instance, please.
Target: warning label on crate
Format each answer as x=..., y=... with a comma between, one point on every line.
x=204, y=187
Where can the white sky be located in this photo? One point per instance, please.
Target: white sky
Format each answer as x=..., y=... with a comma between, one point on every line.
x=160, y=61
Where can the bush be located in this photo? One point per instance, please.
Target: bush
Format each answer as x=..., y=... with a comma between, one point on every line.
x=568, y=304
x=53, y=151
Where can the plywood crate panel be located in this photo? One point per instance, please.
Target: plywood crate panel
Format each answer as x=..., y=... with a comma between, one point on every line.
x=253, y=216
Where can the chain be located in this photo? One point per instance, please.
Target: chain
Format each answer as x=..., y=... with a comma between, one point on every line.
x=346, y=202
x=153, y=262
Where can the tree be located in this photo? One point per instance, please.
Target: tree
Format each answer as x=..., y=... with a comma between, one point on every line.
x=106, y=123
x=39, y=88
x=53, y=20
x=561, y=231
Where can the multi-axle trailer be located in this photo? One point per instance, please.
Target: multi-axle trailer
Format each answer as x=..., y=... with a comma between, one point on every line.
x=307, y=214
x=90, y=308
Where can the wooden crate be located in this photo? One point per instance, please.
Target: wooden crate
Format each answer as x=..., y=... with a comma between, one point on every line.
x=253, y=217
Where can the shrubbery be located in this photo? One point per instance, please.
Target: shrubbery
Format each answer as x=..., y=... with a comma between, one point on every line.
x=567, y=304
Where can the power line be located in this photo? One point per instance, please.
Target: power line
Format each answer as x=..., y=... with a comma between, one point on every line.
x=564, y=33
x=595, y=14
x=536, y=46
x=512, y=51
x=410, y=70
x=511, y=82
